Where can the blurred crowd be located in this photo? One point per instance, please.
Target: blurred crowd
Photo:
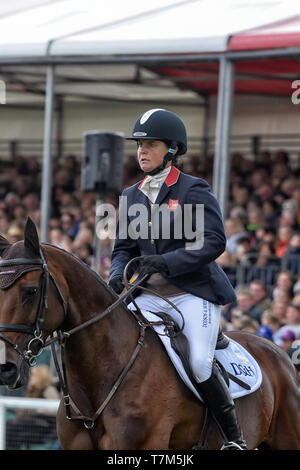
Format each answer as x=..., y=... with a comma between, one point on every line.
x=262, y=256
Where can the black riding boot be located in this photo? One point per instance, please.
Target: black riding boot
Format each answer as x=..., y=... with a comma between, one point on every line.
x=217, y=398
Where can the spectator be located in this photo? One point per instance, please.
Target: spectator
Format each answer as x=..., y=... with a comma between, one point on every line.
x=258, y=178
x=284, y=295
x=292, y=322
x=270, y=209
x=266, y=234
x=31, y=202
x=264, y=191
x=104, y=267
x=12, y=200
x=20, y=215
x=240, y=194
x=64, y=181
x=271, y=321
x=227, y=262
x=292, y=348
x=284, y=234
x=266, y=266
x=265, y=331
x=83, y=236
x=291, y=257
x=69, y=225
x=278, y=309
x=244, y=254
x=4, y=224
x=285, y=281
x=235, y=320
x=41, y=383
x=255, y=221
x=85, y=253
x=260, y=295
x=245, y=305
x=56, y=237
x=288, y=185
x=265, y=159
x=238, y=212
x=248, y=324
x=234, y=230
x=287, y=218
x=15, y=233
x=296, y=289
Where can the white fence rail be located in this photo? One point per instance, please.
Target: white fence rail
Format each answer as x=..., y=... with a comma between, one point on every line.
x=21, y=403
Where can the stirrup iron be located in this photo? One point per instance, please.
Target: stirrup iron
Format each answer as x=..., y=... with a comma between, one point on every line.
x=233, y=446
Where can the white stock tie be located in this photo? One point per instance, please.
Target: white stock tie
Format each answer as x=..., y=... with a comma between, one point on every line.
x=152, y=184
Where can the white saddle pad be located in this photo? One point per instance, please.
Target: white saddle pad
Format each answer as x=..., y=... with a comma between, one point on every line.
x=235, y=359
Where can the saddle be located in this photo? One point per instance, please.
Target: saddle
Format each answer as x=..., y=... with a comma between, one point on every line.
x=180, y=344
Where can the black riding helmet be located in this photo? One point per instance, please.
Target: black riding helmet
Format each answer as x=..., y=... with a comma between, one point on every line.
x=160, y=124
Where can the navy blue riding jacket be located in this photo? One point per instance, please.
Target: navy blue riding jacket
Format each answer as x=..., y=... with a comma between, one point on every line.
x=184, y=226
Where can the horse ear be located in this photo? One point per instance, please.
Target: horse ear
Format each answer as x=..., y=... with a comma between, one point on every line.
x=3, y=244
x=31, y=238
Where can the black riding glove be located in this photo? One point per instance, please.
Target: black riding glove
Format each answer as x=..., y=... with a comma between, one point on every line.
x=116, y=283
x=153, y=264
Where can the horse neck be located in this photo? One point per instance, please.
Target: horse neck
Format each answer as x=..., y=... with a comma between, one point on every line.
x=114, y=335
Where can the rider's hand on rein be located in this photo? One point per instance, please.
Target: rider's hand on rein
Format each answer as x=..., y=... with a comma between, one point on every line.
x=153, y=264
x=116, y=283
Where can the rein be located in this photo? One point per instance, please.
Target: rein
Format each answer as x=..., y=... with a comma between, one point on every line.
x=63, y=336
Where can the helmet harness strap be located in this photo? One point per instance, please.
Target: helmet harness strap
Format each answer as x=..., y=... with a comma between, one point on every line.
x=170, y=155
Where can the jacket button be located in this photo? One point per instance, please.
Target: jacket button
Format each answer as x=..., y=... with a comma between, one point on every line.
x=152, y=242
x=150, y=224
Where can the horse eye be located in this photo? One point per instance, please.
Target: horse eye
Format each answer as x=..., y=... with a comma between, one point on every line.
x=29, y=294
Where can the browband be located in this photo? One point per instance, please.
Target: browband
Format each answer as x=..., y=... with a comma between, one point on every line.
x=20, y=262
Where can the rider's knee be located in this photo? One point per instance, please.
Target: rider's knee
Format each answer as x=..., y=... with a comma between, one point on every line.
x=201, y=369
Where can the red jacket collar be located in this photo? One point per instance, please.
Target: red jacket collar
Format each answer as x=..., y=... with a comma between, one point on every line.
x=172, y=176
x=170, y=179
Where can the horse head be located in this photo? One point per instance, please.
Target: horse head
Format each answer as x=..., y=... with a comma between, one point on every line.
x=24, y=323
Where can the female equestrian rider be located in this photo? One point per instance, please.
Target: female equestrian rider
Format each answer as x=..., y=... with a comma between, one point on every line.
x=181, y=235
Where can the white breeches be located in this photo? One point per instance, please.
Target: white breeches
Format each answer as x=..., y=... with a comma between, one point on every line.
x=202, y=320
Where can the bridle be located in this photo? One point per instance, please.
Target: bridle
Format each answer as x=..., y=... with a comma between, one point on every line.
x=36, y=330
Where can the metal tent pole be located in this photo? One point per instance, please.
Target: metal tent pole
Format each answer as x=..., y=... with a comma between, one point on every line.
x=47, y=155
x=223, y=124
x=206, y=129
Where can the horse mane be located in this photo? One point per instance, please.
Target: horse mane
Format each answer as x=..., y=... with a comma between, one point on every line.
x=85, y=266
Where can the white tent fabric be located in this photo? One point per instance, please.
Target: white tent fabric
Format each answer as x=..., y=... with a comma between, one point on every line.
x=98, y=30
x=73, y=27
x=200, y=26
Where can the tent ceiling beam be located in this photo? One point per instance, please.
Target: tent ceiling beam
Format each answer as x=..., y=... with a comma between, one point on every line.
x=105, y=60
x=264, y=54
x=145, y=60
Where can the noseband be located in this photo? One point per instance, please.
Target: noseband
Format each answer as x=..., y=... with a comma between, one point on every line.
x=35, y=330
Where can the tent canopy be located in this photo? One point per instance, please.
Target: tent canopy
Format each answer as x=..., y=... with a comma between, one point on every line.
x=167, y=50
x=73, y=27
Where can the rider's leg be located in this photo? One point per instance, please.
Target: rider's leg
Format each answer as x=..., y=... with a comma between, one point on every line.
x=217, y=397
x=202, y=320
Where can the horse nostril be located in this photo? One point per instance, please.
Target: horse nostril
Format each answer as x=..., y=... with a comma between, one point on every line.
x=8, y=373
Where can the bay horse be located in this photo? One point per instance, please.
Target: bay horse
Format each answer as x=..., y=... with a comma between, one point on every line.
x=120, y=389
